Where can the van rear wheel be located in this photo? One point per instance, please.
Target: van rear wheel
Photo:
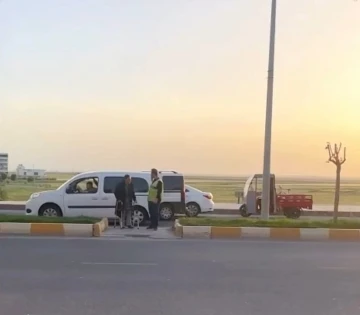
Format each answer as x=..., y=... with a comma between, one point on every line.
x=166, y=212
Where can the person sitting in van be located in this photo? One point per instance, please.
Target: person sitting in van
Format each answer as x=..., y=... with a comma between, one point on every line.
x=125, y=195
x=90, y=189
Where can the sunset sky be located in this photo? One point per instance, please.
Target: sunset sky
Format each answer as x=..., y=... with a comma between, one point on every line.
x=178, y=84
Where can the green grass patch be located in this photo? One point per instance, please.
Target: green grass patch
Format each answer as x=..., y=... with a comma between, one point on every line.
x=274, y=222
x=35, y=219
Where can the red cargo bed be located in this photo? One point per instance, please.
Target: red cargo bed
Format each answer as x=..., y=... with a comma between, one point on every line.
x=297, y=201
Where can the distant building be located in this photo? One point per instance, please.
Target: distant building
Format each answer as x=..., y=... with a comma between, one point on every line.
x=4, y=162
x=22, y=172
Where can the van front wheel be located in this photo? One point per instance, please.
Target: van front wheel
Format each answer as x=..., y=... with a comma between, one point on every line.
x=192, y=209
x=50, y=210
x=166, y=212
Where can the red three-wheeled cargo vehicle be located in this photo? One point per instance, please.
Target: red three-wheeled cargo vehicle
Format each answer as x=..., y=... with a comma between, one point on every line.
x=287, y=204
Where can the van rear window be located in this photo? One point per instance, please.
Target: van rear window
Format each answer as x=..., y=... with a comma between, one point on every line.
x=173, y=183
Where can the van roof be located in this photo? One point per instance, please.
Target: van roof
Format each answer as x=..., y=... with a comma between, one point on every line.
x=138, y=173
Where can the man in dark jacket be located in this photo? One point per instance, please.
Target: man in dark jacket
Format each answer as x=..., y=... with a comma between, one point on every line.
x=125, y=195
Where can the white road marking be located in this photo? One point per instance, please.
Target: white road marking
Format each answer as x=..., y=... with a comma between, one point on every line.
x=119, y=263
x=349, y=268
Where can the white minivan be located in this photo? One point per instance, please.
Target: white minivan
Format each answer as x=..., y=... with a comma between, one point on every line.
x=72, y=199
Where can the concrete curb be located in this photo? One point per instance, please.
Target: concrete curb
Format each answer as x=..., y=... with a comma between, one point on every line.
x=196, y=232
x=285, y=234
x=54, y=229
x=178, y=228
x=100, y=227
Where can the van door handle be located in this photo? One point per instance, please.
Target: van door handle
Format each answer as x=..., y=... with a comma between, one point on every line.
x=94, y=198
x=105, y=198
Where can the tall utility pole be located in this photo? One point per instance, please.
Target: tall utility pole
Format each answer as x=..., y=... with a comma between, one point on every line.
x=265, y=202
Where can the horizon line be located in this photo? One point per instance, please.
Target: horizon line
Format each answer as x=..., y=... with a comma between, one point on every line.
x=238, y=176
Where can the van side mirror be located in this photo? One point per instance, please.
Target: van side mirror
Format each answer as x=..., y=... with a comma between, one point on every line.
x=68, y=190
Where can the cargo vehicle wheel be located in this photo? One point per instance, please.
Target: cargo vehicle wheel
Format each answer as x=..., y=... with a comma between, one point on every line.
x=166, y=212
x=243, y=211
x=192, y=209
x=292, y=213
x=50, y=210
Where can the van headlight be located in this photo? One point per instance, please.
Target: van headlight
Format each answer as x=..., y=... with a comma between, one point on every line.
x=34, y=195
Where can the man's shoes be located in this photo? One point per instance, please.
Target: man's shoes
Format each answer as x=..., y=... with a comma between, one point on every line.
x=149, y=227
x=130, y=227
x=155, y=228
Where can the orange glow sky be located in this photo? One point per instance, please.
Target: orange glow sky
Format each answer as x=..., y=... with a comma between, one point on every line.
x=178, y=84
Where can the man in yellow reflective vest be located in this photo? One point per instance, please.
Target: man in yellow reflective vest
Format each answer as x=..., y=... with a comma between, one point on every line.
x=155, y=195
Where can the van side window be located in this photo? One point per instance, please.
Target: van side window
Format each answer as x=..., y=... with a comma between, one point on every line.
x=173, y=183
x=110, y=183
x=140, y=185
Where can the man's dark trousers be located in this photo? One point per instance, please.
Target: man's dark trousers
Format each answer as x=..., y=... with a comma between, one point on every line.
x=154, y=214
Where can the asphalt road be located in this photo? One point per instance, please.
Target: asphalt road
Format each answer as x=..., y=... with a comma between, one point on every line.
x=88, y=276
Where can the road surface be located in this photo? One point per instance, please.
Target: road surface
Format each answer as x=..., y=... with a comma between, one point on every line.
x=174, y=277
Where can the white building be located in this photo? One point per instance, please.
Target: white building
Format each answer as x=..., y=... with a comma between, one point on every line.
x=22, y=172
x=4, y=162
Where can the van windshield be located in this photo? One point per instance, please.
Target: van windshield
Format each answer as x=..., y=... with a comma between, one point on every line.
x=66, y=184
x=188, y=187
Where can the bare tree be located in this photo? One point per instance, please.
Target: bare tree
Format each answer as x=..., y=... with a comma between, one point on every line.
x=338, y=158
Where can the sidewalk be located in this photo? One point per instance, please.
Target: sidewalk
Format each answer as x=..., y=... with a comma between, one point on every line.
x=142, y=232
